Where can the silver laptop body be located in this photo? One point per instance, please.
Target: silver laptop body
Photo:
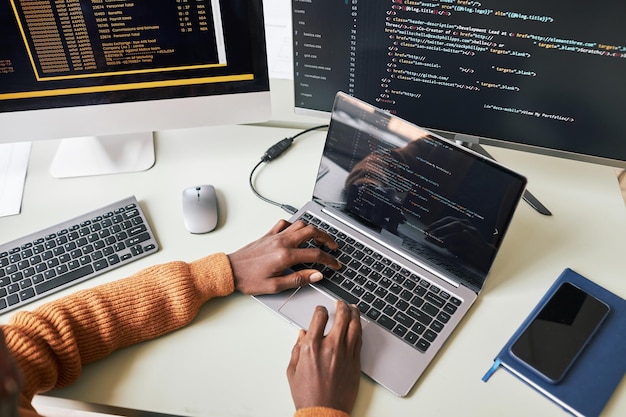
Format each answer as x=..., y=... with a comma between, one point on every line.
x=426, y=218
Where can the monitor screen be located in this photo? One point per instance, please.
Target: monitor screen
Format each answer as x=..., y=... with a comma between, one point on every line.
x=535, y=75
x=109, y=67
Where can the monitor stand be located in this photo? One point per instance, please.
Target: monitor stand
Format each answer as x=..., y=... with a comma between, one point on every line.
x=472, y=143
x=621, y=181
x=99, y=155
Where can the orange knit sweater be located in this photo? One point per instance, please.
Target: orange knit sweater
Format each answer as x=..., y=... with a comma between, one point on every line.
x=52, y=343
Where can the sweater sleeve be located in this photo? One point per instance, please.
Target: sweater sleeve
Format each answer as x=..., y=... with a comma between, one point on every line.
x=53, y=342
x=320, y=412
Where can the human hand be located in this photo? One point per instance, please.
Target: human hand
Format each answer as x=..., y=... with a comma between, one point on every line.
x=10, y=382
x=259, y=267
x=325, y=371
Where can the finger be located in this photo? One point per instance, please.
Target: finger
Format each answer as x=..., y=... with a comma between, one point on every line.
x=321, y=238
x=302, y=232
x=340, y=324
x=301, y=335
x=293, y=280
x=318, y=323
x=355, y=332
x=295, y=355
x=295, y=226
x=293, y=234
x=315, y=256
x=298, y=224
x=280, y=225
x=288, y=257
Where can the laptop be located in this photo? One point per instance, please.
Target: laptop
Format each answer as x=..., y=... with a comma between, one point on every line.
x=419, y=220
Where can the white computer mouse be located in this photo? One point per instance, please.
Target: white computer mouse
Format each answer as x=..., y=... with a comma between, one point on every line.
x=200, y=208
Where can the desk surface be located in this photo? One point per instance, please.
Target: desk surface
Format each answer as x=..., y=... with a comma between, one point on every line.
x=233, y=357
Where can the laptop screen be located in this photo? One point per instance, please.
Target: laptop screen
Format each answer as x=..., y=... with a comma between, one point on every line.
x=417, y=191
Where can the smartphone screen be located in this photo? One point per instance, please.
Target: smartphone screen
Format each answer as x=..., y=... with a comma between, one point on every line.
x=560, y=331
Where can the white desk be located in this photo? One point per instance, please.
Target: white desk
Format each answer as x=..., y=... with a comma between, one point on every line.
x=231, y=360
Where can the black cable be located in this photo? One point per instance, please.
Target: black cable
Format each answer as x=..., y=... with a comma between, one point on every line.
x=272, y=153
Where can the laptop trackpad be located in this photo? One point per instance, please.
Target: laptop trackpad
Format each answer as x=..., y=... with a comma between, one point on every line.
x=300, y=307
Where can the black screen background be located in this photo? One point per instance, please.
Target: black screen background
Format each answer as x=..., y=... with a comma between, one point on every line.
x=573, y=101
x=245, y=49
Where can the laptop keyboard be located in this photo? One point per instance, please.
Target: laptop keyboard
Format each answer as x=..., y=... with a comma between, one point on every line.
x=54, y=258
x=405, y=304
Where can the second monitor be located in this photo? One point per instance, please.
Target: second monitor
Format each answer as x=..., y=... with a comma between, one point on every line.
x=531, y=75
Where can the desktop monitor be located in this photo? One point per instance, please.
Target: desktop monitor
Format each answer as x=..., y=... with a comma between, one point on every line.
x=533, y=75
x=106, y=74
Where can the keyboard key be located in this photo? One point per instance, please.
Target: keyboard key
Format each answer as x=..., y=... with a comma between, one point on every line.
x=372, y=313
x=390, y=310
x=419, y=315
x=418, y=328
x=100, y=264
x=436, y=326
x=450, y=308
x=430, y=335
x=443, y=317
x=385, y=321
x=63, y=279
x=27, y=293
x=430, y=309
x=404, y=319
x=400, y=330
x=422, y=345
x=411, y=337
x=13, y=299
x=434, y=299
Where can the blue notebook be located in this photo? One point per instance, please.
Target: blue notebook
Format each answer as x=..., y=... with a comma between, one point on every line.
x=592, y=378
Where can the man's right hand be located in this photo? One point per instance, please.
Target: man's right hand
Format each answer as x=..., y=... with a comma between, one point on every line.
x=325, y=371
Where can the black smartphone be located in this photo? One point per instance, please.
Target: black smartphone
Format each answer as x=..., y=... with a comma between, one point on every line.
x=559, y=332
